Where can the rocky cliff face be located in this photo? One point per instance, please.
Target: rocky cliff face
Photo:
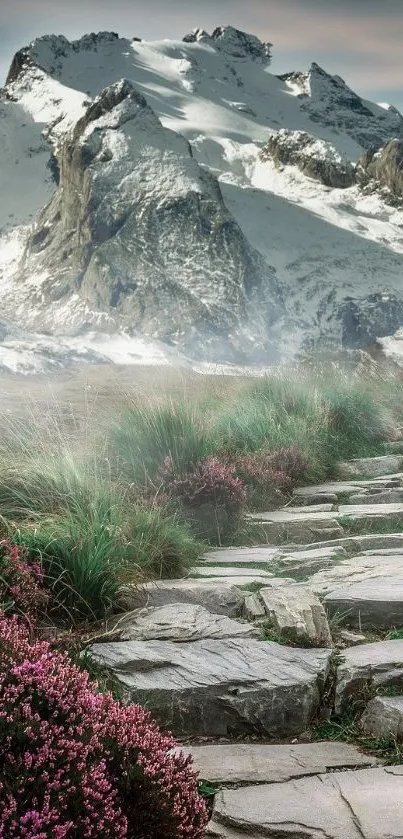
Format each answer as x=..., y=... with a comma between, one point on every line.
x=329, y=101
x=314, y=158
x=141, y=232
x=381, y=170
x=178, y=190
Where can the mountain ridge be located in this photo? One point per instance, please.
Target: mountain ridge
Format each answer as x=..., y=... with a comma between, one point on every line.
x=280, y=278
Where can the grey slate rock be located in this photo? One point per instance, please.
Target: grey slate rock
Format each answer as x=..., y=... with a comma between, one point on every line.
x=220, y=688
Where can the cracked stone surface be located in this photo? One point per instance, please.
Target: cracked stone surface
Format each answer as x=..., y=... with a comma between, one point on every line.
x=339, y=805
x=371, y=467
x=177, y=622
x=383, y=717
x=222, y=598
x=357, y=569
x=380, y=663
x=298, y=614
x=377, y=602
x=247, y=763
x=210, y=687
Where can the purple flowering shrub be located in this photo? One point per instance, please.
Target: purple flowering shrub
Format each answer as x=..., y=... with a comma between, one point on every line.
x=21, y=581
x=292, y=461
x=269, y=476
x=209, y=481
x=76, y=764
x=212, y=496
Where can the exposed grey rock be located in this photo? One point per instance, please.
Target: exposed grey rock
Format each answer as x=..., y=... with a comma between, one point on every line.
x=315, y=158
x=262, y=555
x=370, y=466
x=387, y=496
x=234, y=43
x=383, y=718
x=366, y=804
x=364, y=320
x=224, y=572
x=177, y=622
x=235, y=686
x=253, y=608
x=221, y=598
x=370, y=510
x=373, y=568
x=350, y=639
x=299, y=527
x=303, y=564
x=124, y=247
x=375, y=664
x=381, y=170
x=377, y=602
x=329, y=101
x=297, y=614
x=247, y=763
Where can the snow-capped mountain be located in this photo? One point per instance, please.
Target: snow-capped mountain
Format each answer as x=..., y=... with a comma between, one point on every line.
x=180, y=192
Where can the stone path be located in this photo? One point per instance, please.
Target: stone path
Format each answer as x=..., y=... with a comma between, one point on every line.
x=258, y=642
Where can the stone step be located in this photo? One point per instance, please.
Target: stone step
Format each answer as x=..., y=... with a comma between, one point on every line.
x=363, y=511
x=176, y=622
x=247, y=763
x=373, y=603
x=383, y=718
x=370, y=467
x=222, y=597
x=336, y=488
x=357, y=569
x=261, y=555
x=296, y=614
x=220, y=687
x=366, y=804
x=222, y=571
x=368, y=665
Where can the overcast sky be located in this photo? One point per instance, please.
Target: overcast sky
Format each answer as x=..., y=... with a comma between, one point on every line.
x=360, y=40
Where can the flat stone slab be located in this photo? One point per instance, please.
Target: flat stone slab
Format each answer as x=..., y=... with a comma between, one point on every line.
x=222, y=598
x=357, y=569
x=225, y=572
x=247, y=763
x=297, y=614
x=377, y=602
x=383, y=718
x=375, y=664
x=293, y=515
x=367, y=804
x=370, y=510
x=387, y=496
x=371, y=467
x=178, y=622
x=302, y=564
x=220, y=688
x=241, y=556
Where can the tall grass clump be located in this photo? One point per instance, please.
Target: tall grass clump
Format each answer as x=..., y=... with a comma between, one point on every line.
x=87, y=555
x=274, y=414
x=358, y=422
x=145, y=435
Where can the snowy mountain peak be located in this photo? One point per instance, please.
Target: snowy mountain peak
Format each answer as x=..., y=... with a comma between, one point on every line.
x=180, y=191
x=234, y=43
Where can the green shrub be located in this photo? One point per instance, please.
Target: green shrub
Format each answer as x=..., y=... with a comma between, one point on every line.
x=87, y=555
x=358, y=423
x=145, y=436
x=160, y=543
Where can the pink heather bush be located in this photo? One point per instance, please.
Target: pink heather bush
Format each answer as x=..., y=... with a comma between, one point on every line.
x=76, y=764
x=292, y=461
x=211, y=481
x=265, y=484
x=21, y=588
